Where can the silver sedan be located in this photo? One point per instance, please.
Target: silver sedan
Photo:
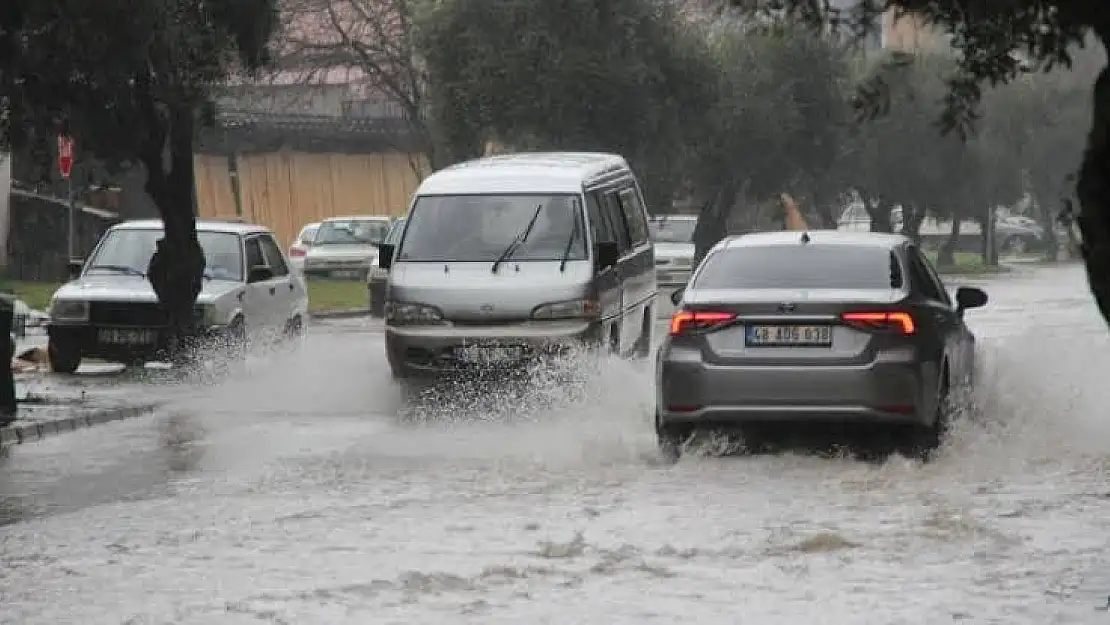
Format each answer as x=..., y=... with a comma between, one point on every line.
x=818, y=326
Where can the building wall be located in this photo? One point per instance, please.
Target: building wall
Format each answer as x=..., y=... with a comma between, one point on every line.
x=286, y=190
x=909, y=33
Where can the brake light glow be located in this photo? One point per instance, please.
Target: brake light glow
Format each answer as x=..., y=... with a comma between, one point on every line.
x=898, y=321
x=686, y=320
x=296, y=252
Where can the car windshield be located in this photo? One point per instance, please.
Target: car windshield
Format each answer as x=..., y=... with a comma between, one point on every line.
x=665, y=230
x=128, y=250
x=798, y=266
x=395, y=230
x=351, y=232
x=480, y=228
x=307, y=234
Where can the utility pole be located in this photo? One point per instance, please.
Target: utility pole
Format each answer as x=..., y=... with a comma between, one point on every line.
x=65, y=168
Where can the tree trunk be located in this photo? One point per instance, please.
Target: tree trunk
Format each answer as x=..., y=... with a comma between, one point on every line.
x=946, y=257
x=177, y=271
x=8, y=406
x=712, y=221
x=880, y=215
x=1093, y=189
x=912, y=217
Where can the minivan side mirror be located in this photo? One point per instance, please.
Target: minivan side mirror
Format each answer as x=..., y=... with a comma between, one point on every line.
x=676, y=296
x=385, y=255
x=260, y=273
x=970, y=297
x=74, y=266
x=606, y=254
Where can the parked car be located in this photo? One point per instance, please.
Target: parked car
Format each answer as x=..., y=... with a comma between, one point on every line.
x=673, y=236
x=346, y=247
x=505, y=258
x=300, y=246
x=814, y=326
x=110, y=310
x=379, y=277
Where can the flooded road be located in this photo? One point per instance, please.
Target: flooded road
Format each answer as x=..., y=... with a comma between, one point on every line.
x=295, y=494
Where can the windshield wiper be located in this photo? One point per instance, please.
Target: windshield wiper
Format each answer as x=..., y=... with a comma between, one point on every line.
x=570, y=243
x=519, y=240
x=131, y=271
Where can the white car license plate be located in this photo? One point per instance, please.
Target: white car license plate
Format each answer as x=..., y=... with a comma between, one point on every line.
x=126, y=336
x=345, y=274
x=482, y=355
x=787, y=336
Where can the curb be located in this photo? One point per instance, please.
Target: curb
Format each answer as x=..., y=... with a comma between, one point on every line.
x=19, y=434
x=342, y=313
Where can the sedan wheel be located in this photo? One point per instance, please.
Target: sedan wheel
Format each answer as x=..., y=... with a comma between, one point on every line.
x=922, y=441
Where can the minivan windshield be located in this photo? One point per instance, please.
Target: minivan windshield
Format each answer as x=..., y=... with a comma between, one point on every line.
x=480, y=228
x=798, y=266
x=351, y=232
x=664, y=230
x=128, y=251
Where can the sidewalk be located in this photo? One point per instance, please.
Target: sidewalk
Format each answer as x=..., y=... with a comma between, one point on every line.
x=50, y=405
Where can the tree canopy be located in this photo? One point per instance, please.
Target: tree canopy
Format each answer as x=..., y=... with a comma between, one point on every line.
x=997, y=42
x=130, y=81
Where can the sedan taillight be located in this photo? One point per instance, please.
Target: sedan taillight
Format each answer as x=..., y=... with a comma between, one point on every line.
x=891, y=321
x=684, y=321
x=296, y=252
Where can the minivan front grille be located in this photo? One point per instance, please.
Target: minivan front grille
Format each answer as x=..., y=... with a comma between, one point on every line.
x=142, y=314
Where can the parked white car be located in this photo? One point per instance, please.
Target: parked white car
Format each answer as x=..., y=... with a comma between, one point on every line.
x=346, y=247
x=673, y=236
x=110, y=311
x=300, y=246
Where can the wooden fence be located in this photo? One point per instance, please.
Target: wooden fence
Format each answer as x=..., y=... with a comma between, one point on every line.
x=286, y=190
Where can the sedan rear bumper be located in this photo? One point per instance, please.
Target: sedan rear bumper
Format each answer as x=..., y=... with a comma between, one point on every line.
x=884, y=391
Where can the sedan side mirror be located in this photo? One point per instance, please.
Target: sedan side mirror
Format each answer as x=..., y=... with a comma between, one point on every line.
x=260, y=273
x=74, y=267
x=676, y=295
x=968, y=297
x=606, y=254
x=385, y=255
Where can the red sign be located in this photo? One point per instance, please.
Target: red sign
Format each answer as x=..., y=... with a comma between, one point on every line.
x=65, y=155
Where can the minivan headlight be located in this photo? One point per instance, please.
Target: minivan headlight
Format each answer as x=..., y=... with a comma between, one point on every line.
x=571, y=309
x=406, y=313
x=69, y=310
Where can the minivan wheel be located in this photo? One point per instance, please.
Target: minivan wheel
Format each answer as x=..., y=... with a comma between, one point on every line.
x=65, y=357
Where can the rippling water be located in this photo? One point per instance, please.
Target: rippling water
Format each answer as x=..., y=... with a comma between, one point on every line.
x=296, y=494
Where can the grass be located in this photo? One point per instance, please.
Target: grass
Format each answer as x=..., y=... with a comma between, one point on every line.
x=966, y=264
x=36, y=294
x=336, y=294
x=322, y=294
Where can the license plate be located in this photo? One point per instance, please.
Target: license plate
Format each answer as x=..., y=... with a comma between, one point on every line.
x=345, y=274
x=120, y=336
x=481, y=355
x=788, y=336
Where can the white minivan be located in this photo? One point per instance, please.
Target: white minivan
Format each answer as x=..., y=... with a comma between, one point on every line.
x=504, y=257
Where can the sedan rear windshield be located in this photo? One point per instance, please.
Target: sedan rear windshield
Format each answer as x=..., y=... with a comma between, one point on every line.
x=801, y=266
